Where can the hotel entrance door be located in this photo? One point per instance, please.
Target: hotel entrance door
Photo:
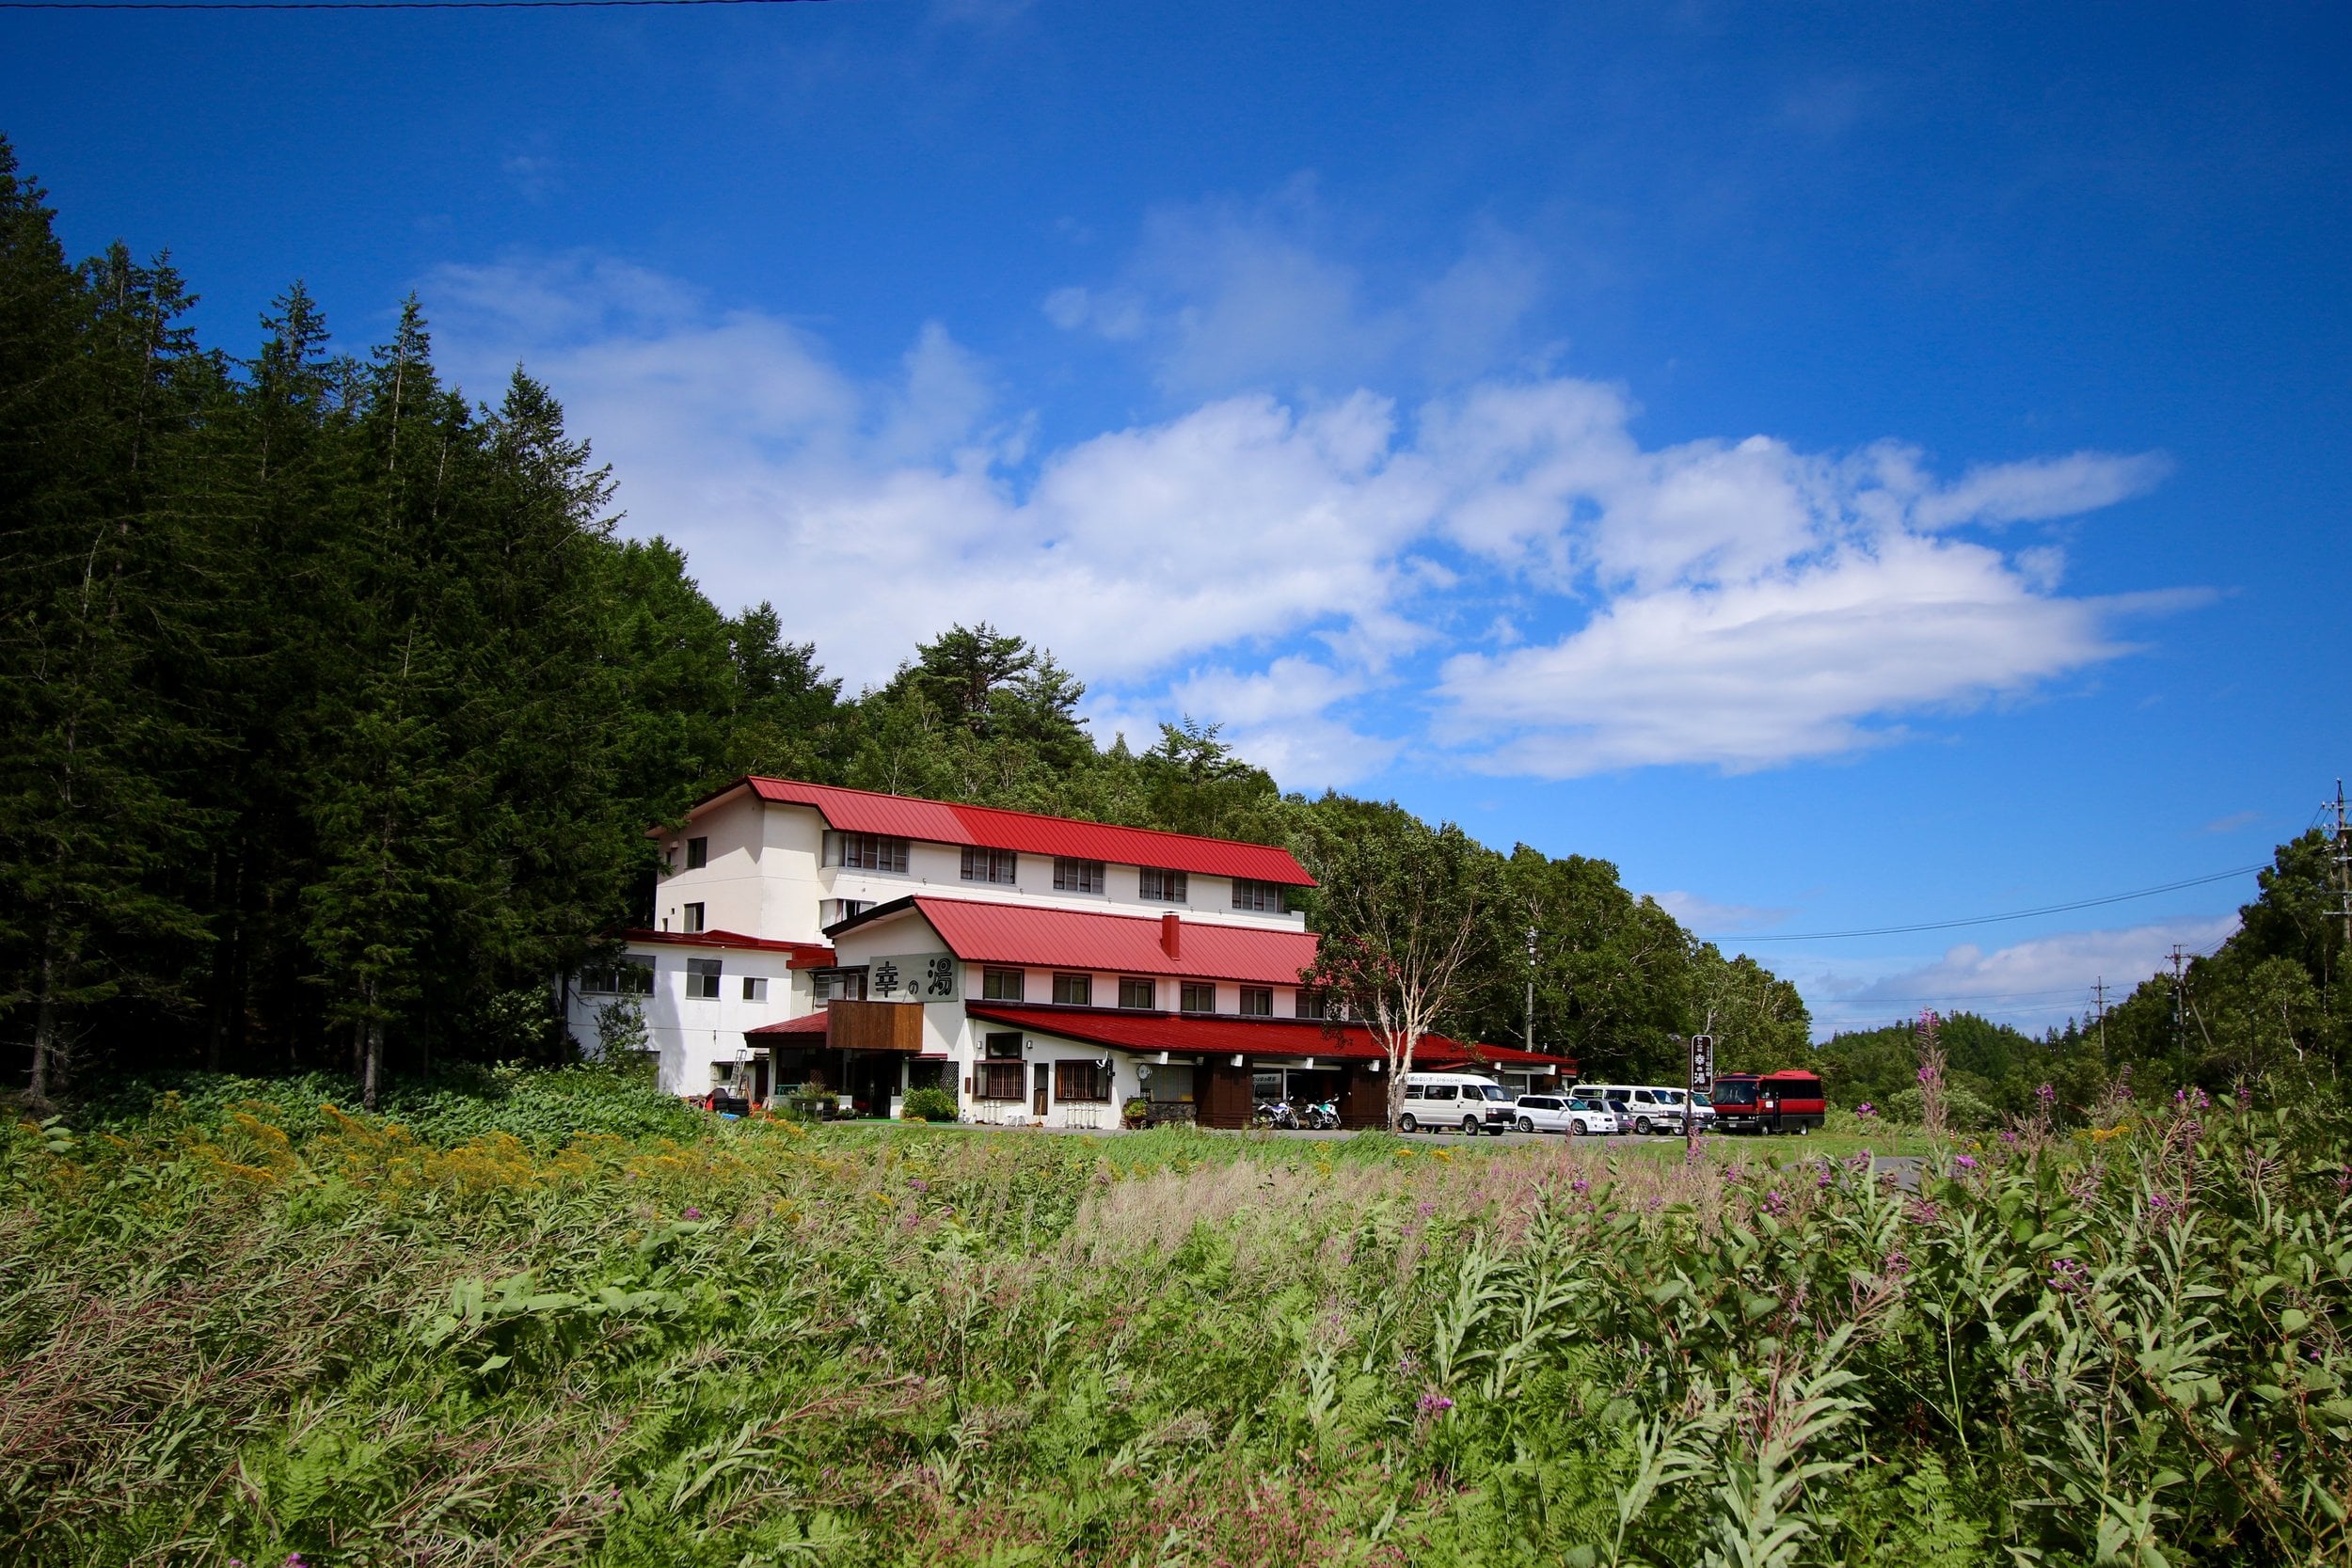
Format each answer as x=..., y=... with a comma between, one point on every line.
x=1038, y=1104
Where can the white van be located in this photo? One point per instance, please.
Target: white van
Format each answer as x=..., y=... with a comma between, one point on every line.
x=1463, y=1100
x=1650, y=1108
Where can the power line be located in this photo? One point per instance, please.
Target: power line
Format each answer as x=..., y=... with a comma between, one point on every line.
x=2014, y=914
x=362, y=4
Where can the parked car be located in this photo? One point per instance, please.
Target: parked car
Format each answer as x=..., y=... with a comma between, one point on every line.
x=1651, y=1107
x=1560, y=1113
x=1788, y=1102
x=1463, y=1100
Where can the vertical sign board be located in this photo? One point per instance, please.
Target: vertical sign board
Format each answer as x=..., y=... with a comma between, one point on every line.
x=1701, y=1080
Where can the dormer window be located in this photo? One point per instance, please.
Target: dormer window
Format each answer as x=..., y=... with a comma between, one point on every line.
x=1261, y=898
x=1156, y=886
x=1000, y=866
x=1074, y=876
x=866, y=852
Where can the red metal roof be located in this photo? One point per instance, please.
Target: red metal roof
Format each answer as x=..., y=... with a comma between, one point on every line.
x=1226, y=1035
x=860, y=811
x=805, y=955
x=811, y=1023
x=984, y=931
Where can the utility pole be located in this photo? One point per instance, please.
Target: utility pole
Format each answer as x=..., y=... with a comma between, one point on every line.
x=1531, y=988
x=2180, y=996
x=2344, y=868
x=2099, y=1009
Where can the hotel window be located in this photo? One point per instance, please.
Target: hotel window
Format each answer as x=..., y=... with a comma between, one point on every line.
x=1074, y=991
x=1265, y=898
x=1000, y=985
x=1312, y=1004
x=1001, y=866
x=1133, y=992
x=1002, y=1073
x=869, y=853
x=755, y=989
x=1081, y=1081
x=1077, y=876
x=1156, y=886
x=631, y=976
x=1197, y=998
x=697, y=853
x=832, y=912
x=702, y=979
x=690, y=919
x=1256, y=1002
x=838, y=984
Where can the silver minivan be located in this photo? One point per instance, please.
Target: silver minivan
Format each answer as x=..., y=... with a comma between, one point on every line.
x=1650, y=1108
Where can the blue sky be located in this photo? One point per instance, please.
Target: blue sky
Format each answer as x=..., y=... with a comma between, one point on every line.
x=1848, y=465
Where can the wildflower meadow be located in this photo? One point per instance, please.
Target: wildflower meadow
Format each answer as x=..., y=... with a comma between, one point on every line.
x=242, y=1326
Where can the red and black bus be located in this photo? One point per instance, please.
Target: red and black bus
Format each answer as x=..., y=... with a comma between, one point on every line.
x=1769, y=1102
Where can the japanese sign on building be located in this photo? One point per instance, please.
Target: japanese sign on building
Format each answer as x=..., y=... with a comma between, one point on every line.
x=915, y=977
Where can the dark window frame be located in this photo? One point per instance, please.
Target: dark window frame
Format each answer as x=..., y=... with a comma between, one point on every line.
x=995, y=867
x=694, y=919
x=1072, y=875
x=1095, y=1082
x=993, y=980
x=1156, y=884
x=702, y=978
x=1263, y=996
x=1257, y=897
x=1065, y=982
x=1150, y=993
x=870, y=852
x=1190, y=990
x=697, y=853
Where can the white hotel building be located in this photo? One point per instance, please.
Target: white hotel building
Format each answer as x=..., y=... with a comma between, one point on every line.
x=1044, y=971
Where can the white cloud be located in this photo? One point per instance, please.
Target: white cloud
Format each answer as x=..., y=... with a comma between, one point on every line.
x=2032, y=984
x=1285, y=565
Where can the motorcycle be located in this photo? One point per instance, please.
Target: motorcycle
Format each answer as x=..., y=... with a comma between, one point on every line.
x=1324, y=1116
x=1276, y=1113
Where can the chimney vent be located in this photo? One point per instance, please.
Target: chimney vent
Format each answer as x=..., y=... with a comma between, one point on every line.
x=1172, y=934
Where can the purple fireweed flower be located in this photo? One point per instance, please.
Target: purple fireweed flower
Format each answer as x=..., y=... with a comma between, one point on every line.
x=1828, y=1174
x=1928, y=1075
x=1776, y=1203
x=2068, y=1278
x=1866, y=1110
x=693, y=1213
x=1895, y=1265
x=2343, y=1181
x=918, y=1185
x=1435, y=1404
x=1581, y=1186
x=2046, y=1094
x=1424, y=1209
x=2009, y=1137
x=2245, y=1096
x=1966, y=1162
x=2161, y=1203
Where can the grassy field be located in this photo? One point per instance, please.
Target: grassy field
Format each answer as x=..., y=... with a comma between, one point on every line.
x=551, y=1319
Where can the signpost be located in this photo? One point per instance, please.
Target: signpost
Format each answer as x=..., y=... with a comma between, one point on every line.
x=1702, y=1082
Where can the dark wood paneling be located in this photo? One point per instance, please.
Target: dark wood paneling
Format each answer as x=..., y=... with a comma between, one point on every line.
x=874, y=1026
x=1364, y=1098
x=1222, y=1091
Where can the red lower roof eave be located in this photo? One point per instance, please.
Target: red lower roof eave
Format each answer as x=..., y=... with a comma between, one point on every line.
x=1225, y=1034
x=805, y=955
x=812, y=1024
x=988, y=931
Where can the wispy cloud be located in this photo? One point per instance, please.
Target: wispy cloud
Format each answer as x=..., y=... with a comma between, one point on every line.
x=2032, y=984
x=1709, y=918
x=1324, y=573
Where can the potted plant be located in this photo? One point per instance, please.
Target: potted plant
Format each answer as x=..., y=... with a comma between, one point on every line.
x=1136, y=1111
